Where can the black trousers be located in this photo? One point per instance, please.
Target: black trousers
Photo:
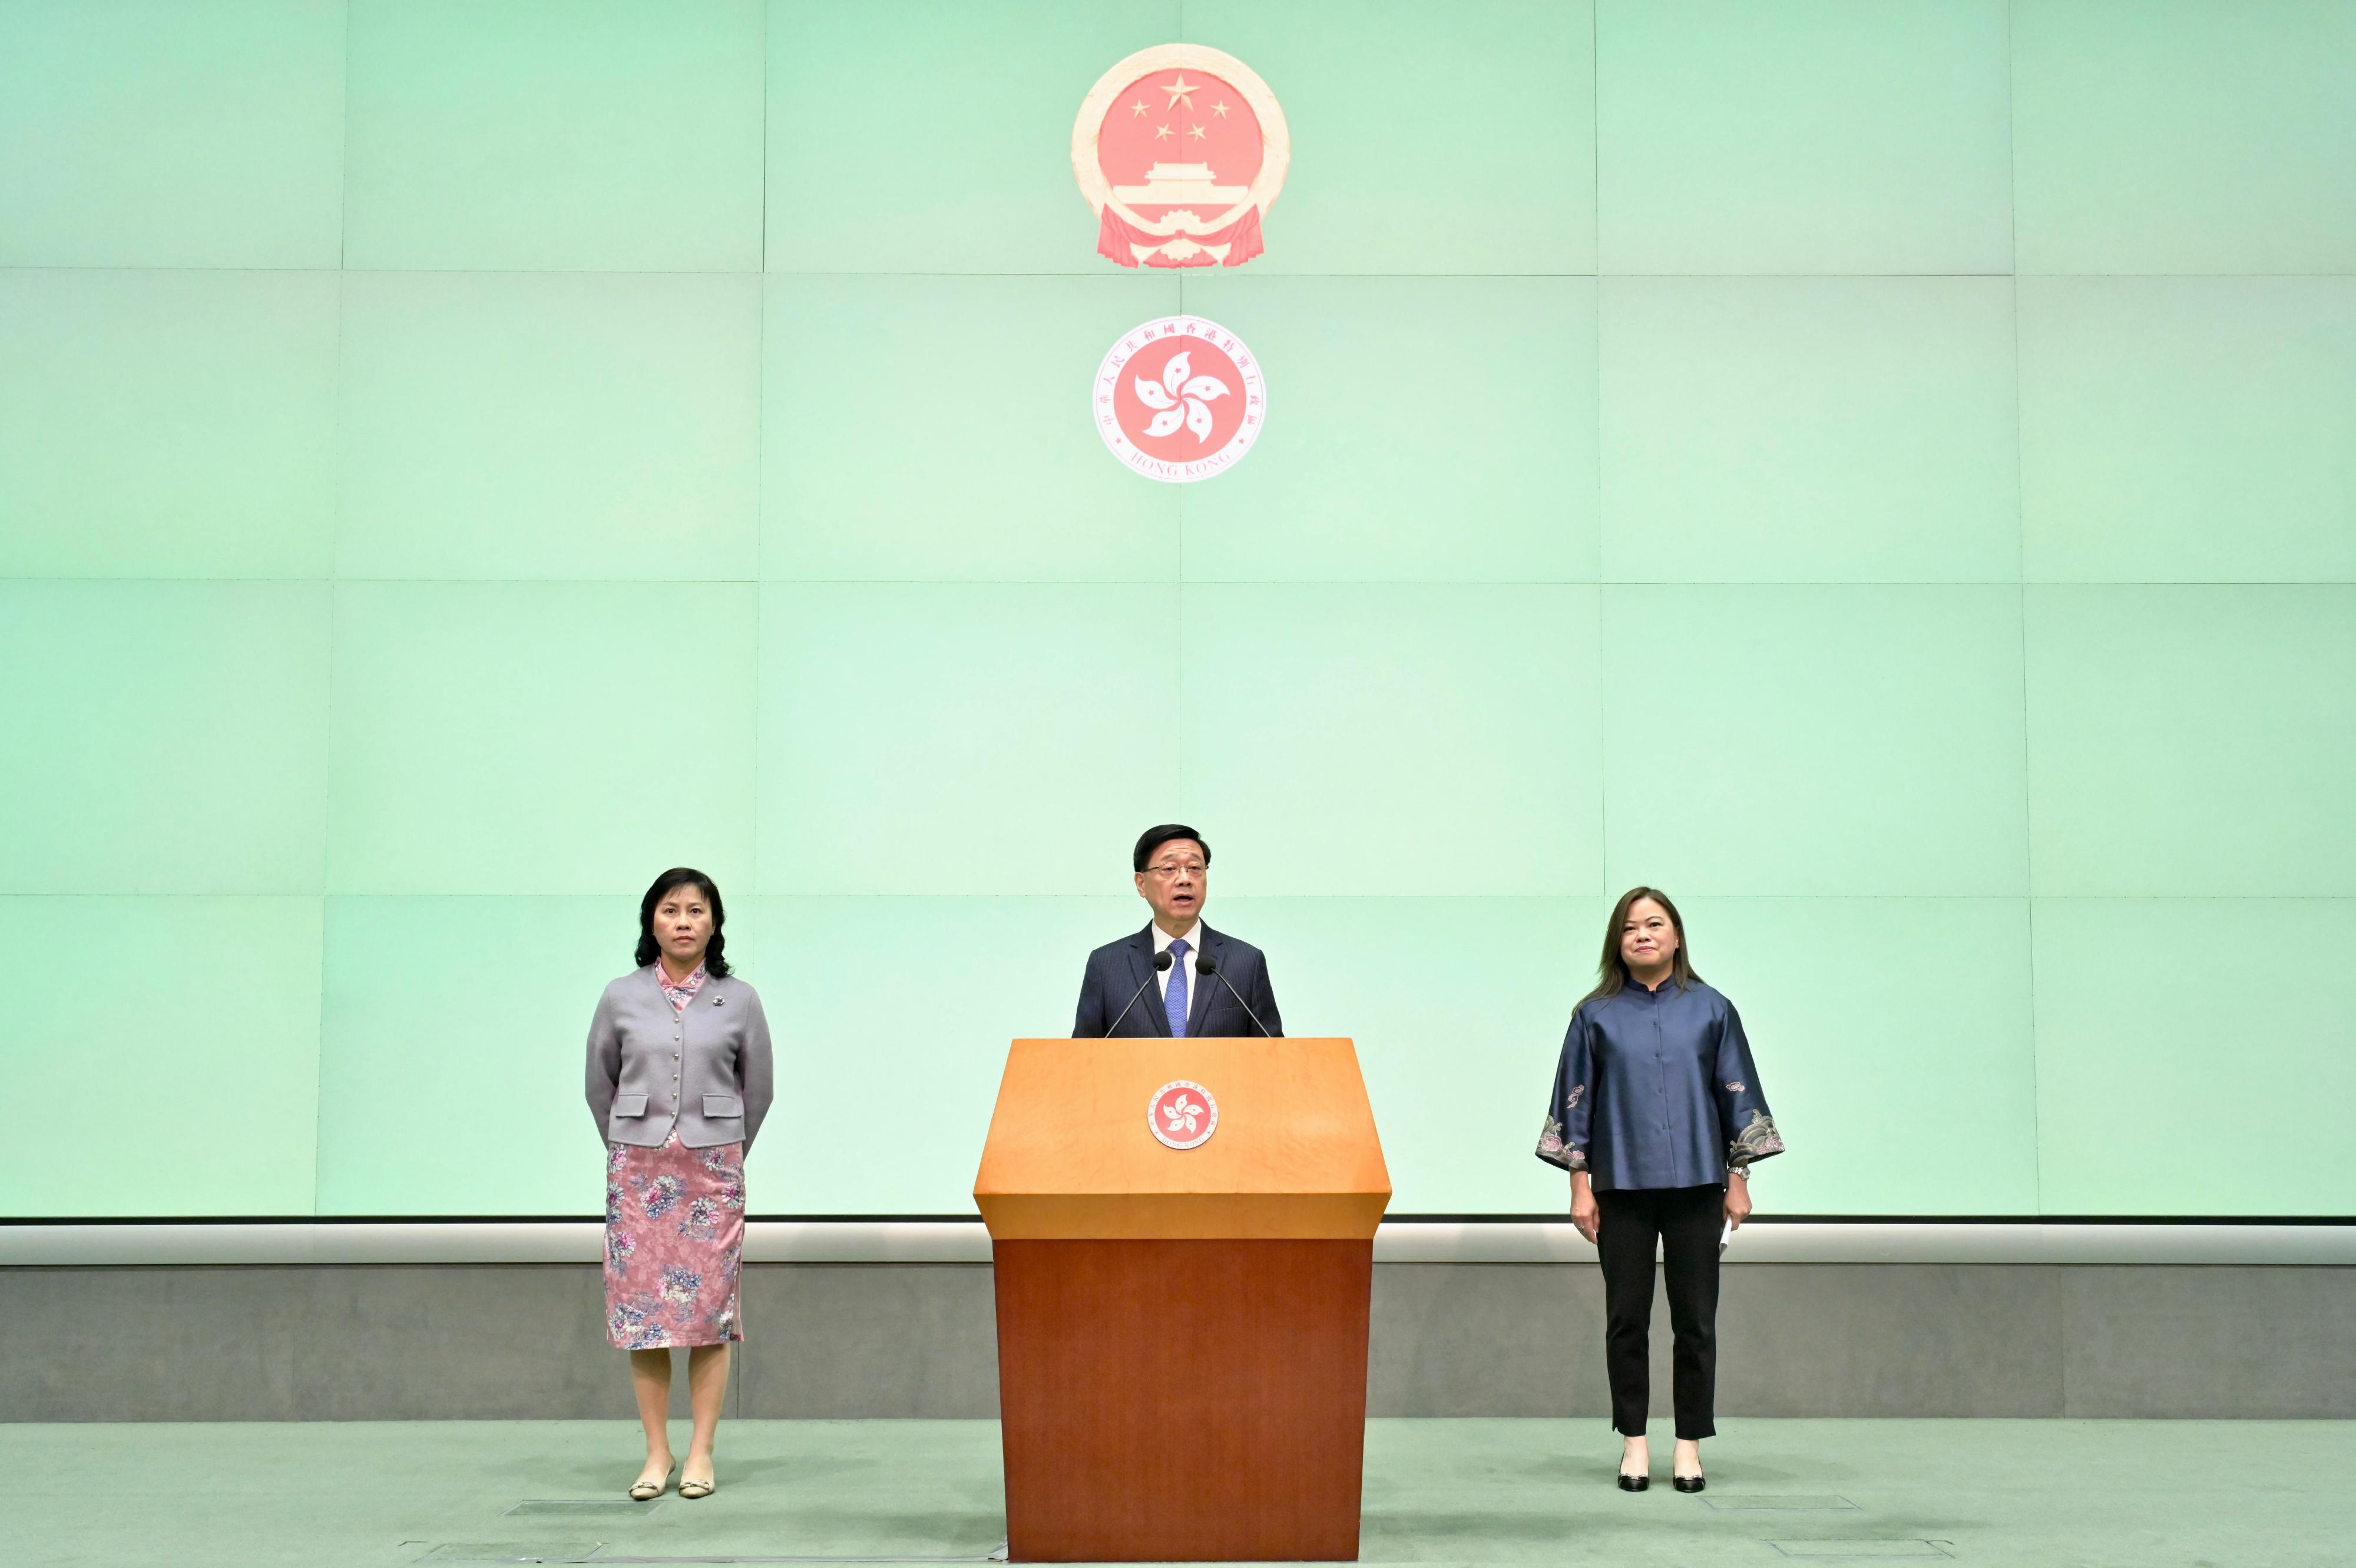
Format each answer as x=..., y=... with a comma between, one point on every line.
x=1687, y=1221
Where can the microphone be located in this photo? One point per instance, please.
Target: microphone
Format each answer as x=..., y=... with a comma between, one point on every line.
x=1206, y=964
x=1161, y=964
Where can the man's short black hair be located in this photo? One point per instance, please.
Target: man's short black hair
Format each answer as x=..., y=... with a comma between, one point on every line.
x=1154, y=838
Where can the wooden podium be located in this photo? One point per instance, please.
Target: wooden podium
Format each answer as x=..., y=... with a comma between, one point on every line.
x=1181, y=1333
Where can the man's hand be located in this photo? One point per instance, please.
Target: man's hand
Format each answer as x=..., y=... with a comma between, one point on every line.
x=1738, y=1200
x=1584, y=1215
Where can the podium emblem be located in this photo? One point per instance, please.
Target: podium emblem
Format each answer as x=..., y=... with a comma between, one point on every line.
x=1182, y=1115
x=1181, y=150
x=1180, y=399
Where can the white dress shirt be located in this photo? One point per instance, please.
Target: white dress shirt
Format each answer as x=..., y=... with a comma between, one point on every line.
x=1193, y=941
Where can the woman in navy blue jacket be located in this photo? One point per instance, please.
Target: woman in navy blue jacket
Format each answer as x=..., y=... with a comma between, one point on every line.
x=1657, y=1115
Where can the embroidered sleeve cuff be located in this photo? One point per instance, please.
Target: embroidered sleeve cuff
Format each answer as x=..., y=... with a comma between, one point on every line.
x=1755, y=1142
x=1555, y=1152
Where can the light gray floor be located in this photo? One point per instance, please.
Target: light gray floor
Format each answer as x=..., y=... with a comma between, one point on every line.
x=2073, y=1494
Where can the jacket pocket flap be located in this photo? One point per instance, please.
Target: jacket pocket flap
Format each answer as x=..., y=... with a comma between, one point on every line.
x=629, y=1105
x=722, y=1105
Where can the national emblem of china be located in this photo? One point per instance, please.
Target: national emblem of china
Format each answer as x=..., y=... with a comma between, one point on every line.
x=1181, y=150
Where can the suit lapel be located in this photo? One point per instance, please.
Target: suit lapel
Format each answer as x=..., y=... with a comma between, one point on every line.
x=1198, y=1006
x=1141, y=971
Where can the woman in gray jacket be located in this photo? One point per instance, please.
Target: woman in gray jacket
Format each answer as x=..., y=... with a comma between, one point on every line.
x=678, y=1080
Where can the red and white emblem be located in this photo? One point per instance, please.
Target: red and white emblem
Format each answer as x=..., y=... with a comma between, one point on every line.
x=1180, y=399
x=1181, y=150
x=1182, y=1115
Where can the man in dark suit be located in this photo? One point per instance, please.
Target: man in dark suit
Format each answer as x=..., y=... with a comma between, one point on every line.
x=1213, y=985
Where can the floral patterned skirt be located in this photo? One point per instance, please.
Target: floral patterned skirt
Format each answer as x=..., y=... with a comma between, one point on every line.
x=674, y=1244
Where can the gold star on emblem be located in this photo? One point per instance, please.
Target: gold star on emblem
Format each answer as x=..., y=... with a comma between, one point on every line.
x=1179, y=88
x=1159, y=132
x=1138, y=107
x=1198, y=133
x=1220, y=109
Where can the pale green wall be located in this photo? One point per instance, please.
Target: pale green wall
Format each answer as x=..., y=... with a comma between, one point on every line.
x=1882, y=470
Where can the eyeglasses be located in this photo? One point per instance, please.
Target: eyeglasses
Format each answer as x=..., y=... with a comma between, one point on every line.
x=1166, y=871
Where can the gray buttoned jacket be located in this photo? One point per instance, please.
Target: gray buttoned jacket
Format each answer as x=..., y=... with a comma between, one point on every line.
x=704, y=1071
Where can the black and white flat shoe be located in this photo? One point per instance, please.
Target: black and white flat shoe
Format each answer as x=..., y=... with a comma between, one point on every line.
x=1629, y=1483
x=1689, y=1483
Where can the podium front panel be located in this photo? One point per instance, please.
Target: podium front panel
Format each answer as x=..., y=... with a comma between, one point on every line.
x=1182, y=1331
x=1183, y=1400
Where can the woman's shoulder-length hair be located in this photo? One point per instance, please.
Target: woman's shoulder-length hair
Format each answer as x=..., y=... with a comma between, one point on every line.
x=1612, y=975
x=715, y=957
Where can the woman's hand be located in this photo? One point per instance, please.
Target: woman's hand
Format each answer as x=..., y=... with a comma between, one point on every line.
x=1585, y=1217
x=1738, y=1200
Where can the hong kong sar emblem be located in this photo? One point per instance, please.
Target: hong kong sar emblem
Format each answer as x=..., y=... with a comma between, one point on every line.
x=1180, y=399
x=1180, y=151
x=1182, y=1115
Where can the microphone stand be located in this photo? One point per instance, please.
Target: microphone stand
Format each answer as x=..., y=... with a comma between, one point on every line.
x=1162, y=961
x=1206, y=964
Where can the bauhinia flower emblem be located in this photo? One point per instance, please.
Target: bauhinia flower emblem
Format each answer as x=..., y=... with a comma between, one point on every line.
x=1180, y=397
x=1181, y=1114
x=1160, y=379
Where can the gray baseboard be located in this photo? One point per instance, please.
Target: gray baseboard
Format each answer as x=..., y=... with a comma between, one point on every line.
x=524, y=1341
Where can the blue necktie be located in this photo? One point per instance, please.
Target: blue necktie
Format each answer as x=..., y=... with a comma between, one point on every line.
x=1173, y=1001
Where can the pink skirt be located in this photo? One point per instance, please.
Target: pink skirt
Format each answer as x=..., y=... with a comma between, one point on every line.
x=674, y=1244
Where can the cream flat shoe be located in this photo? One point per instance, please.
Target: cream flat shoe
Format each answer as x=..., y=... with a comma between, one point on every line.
x=693, y=1489
x=647, y=1491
